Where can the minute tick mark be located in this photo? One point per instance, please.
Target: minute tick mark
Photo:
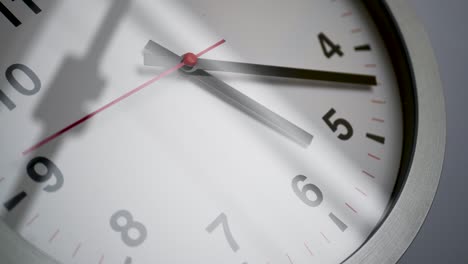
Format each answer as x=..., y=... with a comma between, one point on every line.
x=325, y=237
x=54, y=235
x=373, y=156
x=308, y=249
x=351, y=208
x=15, y=201
x=376, y=138
x=342, y=226
x=75, y=252
x=365, y=47
x=30, y=222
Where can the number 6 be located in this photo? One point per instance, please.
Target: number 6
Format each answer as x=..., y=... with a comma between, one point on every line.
x=302, y=194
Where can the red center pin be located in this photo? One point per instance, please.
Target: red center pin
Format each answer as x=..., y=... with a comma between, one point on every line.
x=190, y=59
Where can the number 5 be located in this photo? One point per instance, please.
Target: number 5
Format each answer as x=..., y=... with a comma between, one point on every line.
x=338, y=122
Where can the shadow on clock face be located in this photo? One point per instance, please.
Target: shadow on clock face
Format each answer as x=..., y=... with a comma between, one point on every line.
x=76, y=83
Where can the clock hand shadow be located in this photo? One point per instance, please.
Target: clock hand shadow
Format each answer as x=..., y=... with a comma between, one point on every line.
x=76, y=83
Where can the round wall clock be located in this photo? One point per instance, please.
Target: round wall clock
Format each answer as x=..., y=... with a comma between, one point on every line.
x=281, y=132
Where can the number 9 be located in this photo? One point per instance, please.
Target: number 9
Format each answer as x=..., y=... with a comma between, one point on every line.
x=52, y=169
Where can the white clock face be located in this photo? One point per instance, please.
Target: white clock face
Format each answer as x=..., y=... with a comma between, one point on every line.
x=225, y=167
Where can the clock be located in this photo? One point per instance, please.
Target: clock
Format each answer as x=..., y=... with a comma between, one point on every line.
x=215, y=131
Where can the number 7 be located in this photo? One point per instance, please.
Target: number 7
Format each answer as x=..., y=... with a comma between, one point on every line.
x=222, y=220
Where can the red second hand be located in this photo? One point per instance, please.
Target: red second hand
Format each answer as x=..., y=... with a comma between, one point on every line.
x=115, y=101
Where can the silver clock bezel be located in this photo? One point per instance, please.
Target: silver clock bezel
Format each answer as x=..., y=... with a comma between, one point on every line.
x=405, y=219
x=402, y=224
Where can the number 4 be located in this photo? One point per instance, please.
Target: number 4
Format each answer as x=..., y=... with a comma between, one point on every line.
x=222, y=220
x=329, y=48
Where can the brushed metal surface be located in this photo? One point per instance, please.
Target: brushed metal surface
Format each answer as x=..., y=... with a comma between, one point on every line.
x=403, y=223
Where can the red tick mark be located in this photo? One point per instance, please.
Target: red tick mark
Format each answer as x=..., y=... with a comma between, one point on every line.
x=325, y=237
x=352, y=209
x=373, y=156
x=347, y=14
x=52, y=238
x=359, y=190
x=378, y=120
x=368, y=174
x=32, y=220
x=75, y=252
x=375, y=101
x=308, y=249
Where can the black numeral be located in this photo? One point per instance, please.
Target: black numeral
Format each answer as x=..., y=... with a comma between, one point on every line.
x=312, y=196
x=302, y=193
x=18, y=86
x=329, y=48
x=41, y=169
x=334, y=125
x=12, y=18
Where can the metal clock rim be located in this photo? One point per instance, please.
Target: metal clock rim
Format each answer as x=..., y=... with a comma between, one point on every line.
x=394, y=236
x=405, y=219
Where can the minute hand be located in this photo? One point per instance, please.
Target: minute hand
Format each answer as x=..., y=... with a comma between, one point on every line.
x=234, y=97
x=286, y=72
x=252, y=108
x=160, y=58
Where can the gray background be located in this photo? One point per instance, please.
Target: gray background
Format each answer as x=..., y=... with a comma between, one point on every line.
x=444, y=236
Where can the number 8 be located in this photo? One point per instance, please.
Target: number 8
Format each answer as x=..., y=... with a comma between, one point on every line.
x=125, y=228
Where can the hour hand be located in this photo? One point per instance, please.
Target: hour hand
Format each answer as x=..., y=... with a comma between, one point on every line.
x=232, y=96
x=156, y=55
